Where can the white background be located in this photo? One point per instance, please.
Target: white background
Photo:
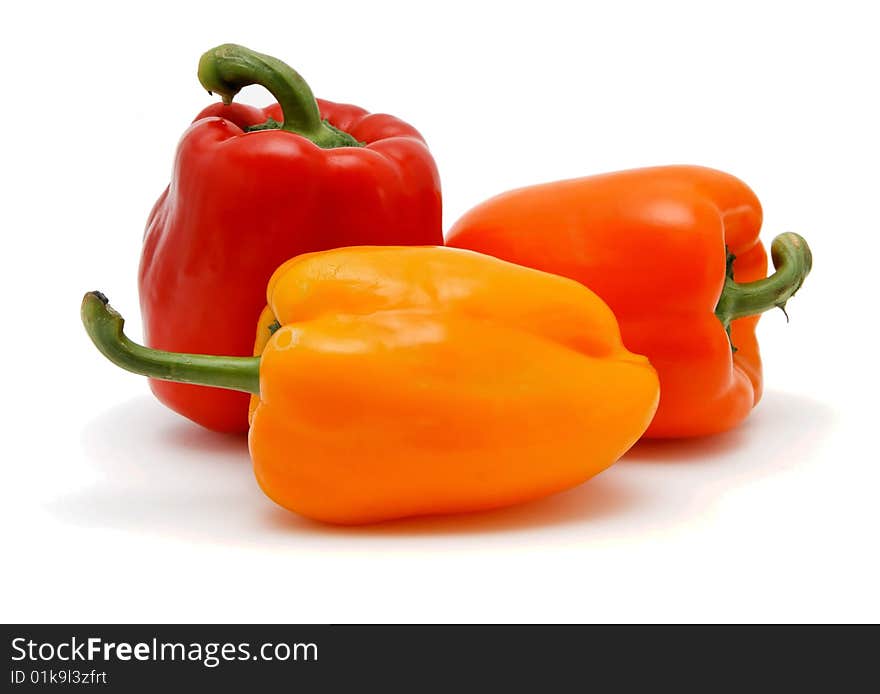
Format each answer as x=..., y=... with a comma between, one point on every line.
x=116, y=509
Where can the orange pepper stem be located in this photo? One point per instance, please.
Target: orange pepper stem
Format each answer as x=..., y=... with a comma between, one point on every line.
x=228, y=68
x=792, y=260
x=104, y=325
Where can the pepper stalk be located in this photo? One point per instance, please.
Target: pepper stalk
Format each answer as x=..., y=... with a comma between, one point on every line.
x=105, y=327
x=228, y=68
x=792, y=260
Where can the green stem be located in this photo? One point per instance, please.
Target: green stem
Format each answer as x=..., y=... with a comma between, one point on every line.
x=228, y=68
x=104, y=325
x=792, y=260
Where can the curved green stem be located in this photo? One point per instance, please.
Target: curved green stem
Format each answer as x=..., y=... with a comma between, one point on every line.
x=104, y=325
x=228, y=68
x=792, y=260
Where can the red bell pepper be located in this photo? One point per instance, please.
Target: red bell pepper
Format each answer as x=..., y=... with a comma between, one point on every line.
x=253, y=187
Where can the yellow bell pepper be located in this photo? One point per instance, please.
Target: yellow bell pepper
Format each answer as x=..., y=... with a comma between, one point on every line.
x=401, y=381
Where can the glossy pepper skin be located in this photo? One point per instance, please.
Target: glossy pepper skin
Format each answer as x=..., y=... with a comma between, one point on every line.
x=242, y=201
x=398, y=382
x=654, y=244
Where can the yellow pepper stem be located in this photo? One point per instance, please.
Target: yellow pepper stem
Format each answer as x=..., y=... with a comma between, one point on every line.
x=105, y=327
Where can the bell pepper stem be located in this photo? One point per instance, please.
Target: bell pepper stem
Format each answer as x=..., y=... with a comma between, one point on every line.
x=792, y=260
x=228, y=68
x=105, y=326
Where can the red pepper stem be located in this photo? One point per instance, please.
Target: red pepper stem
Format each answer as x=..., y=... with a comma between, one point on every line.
x=228, y=68
x=792, y=260
x=104, y=325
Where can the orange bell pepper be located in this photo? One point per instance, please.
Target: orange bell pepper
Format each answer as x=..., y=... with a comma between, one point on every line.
x=662, y=247
x=396, y=381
